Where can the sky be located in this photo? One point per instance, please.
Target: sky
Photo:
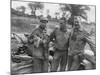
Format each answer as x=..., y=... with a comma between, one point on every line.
x=53, y=8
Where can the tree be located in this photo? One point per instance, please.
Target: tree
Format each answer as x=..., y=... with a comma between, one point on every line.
x=56, y=14
x=13, y=11
x=35, y=6
x=76, y=11
x=21, y=9
x=48, y=14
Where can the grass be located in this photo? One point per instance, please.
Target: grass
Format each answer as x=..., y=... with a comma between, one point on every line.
x=23, y=24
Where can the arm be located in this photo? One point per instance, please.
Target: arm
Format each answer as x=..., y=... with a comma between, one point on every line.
x=52, y=36
x=92, y=45
x=86, y=38
x=35, y=32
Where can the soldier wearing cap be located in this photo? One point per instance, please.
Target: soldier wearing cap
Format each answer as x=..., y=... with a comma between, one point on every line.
x=60, y=38
x=77, y=42
x=40, y=63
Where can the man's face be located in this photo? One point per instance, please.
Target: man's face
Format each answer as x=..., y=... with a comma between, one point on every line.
x=63, y=27
x=43, y=25
x=76, y=26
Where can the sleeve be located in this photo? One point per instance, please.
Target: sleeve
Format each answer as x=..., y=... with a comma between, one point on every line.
x=87, y=39
x=35, y=32
x=91, y=44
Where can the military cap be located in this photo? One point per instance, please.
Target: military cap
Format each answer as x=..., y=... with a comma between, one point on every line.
x=44, y=20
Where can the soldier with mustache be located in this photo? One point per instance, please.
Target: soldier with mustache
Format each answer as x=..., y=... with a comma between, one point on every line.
x=77, y=42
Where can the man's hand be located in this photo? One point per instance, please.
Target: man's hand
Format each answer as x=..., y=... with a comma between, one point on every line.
x=50, y=58
x=75, y=52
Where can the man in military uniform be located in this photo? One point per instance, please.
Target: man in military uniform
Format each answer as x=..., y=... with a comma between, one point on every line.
x=77, y=42
x=60, y=38
x=36, y=46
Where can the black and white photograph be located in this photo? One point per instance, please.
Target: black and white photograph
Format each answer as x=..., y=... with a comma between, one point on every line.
x=52, y=37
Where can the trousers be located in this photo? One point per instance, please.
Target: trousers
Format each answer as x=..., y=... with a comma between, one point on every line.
x=59, y=60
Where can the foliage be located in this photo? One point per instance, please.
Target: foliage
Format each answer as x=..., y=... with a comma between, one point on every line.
x=21, y=9
x=75, y=10
x=56, y=14
x=35, y=6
